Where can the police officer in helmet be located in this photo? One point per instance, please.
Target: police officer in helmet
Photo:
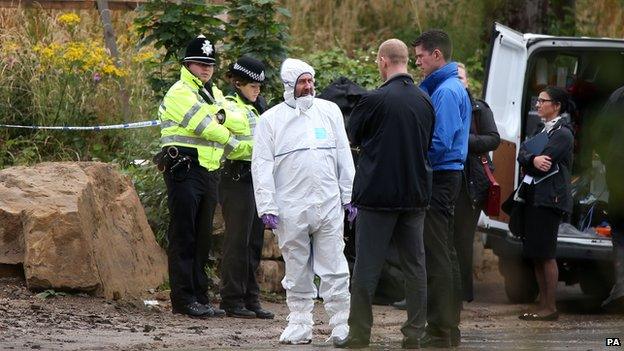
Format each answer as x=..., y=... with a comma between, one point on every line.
x=244, y=231
x=193, y=141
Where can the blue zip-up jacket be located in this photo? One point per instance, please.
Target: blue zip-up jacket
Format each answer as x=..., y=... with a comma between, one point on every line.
x=453, y=110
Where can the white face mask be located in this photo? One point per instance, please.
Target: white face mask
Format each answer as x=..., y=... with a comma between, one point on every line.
x=304, y=102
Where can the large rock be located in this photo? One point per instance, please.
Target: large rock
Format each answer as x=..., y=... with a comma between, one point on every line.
x=270, y=274
x=78, y=226
x=270, y=249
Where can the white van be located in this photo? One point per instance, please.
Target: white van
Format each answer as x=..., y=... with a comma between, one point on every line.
x=519, y=65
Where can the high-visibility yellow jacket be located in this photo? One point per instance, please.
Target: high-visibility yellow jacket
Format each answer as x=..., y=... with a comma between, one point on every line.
x=188, y=120
x=242, y=125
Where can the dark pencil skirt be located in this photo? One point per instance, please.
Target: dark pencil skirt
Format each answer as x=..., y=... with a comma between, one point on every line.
x=541, y=228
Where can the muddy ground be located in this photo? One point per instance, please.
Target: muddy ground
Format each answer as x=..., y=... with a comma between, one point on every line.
x=80, y=322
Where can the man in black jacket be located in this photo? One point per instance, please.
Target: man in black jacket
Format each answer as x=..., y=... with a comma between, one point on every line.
x=609, y=131
x=393, y=126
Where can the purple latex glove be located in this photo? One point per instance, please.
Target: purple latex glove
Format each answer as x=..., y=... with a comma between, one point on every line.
x=270, y=220
x=351, y=212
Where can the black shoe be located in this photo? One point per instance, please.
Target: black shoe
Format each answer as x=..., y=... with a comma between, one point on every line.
x=216, y=312
x=351, y=343
x=455, y=337
x=193, y=309
x=402, y=305
x=261, y=313
x=410, y=343
x=239, y=312
x=429, y=340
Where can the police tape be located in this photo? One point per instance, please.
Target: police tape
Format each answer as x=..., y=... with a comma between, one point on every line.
x=142, y=124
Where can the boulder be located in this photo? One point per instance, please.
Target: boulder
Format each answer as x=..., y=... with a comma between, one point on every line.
x=78, y=226
x=270, y=274
x=218, y=223
x=270, y=249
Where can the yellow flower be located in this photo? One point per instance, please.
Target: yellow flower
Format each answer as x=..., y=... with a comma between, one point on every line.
x=75, y=51
x=69, y=19
x=37, y=48
x=10, y=46
x=48, y=52
x=111, y=70
x=143, y=57
x=78, y=57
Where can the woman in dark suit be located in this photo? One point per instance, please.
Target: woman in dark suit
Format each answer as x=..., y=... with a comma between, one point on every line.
x=483, y=138
x=546, y=191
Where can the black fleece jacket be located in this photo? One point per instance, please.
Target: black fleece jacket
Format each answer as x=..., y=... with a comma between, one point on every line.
x=393, y=127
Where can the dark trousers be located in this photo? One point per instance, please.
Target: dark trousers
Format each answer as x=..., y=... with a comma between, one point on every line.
x=375, y=230
x=192, y=198
x=465, y=224
x=443, y=281
x=242, y=244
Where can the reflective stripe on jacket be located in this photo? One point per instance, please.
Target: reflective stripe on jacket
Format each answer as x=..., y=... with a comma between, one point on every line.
x=188, y=120
x=242, y=125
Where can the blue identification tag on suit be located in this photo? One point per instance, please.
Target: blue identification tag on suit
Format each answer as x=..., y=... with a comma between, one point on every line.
x=320, y=133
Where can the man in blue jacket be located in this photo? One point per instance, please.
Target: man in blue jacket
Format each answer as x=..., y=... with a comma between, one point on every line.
x=447, y=155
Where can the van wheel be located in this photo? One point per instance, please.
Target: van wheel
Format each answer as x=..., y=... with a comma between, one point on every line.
x=595, y=284
x=520, y=282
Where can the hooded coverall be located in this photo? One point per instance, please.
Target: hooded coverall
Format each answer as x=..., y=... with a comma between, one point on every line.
x=303, y=173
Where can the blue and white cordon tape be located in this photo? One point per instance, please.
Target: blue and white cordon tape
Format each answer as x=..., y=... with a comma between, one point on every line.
x=142, y=124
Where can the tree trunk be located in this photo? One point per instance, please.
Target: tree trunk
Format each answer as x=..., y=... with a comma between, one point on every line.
x=540, y=16
x=111, y=44
x=527, y=16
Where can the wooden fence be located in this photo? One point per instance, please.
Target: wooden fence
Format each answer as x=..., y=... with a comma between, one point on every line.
x=72, y=4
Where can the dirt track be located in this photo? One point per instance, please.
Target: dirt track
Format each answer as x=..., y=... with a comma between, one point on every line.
x=85, y=323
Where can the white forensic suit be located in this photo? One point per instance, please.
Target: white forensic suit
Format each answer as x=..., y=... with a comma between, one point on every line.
x=303, y=172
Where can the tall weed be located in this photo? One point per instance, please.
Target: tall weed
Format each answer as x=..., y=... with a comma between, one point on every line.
x=55, y=70
x=603, y=18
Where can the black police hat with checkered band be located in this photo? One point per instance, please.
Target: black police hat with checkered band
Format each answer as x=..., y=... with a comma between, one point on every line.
x=248, y=68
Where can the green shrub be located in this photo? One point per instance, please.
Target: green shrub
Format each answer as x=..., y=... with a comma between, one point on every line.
x=332, y=64
x=475, y=68
x=254, y=29
x=169, y=26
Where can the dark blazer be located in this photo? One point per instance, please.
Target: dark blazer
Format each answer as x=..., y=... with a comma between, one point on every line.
x=393, y=127
x=483, y=138
x=554, y=191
